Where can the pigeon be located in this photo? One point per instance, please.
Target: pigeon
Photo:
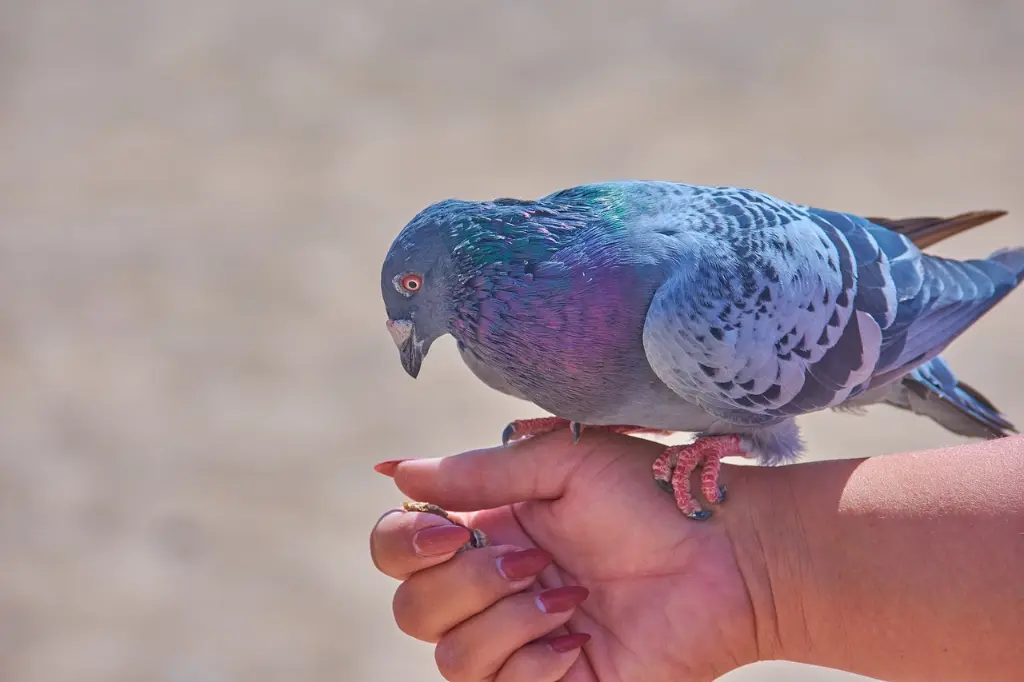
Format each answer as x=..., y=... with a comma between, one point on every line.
x=659, y=307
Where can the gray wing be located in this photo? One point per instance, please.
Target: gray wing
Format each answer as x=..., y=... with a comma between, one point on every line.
x=776, y=310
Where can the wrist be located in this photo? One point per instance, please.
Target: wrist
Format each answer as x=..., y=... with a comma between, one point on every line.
x=766, y=534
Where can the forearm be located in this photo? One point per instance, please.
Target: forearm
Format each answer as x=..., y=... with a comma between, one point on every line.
x=901, y=567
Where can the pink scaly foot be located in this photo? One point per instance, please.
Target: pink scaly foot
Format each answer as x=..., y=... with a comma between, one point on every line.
x=527, y=428
x=673, y=468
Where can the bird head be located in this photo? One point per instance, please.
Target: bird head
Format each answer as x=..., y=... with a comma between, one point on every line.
x=446, y=246
x=417, y=285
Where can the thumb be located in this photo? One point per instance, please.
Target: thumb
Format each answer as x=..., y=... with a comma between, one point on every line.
x=537, y=468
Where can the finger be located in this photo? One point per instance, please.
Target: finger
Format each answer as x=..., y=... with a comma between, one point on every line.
x=433, y=601
x=405, y=542
x=545, y=660
x=477, y=648
x=535, y=469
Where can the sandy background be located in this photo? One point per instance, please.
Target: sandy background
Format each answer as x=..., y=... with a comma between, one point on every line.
x=195, y=197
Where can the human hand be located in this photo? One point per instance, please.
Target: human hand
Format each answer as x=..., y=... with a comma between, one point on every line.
x=663, y=597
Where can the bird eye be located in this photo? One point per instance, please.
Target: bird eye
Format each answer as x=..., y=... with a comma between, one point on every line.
x=411, y=283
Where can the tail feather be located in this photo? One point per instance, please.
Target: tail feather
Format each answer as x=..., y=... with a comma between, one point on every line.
x=932, y=390
x=926, y=231
x=1012, y=259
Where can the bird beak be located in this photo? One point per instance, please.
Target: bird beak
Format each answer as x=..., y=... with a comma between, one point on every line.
x=410, y=349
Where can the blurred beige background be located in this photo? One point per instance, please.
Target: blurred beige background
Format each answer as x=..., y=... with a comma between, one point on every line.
x=195, y=197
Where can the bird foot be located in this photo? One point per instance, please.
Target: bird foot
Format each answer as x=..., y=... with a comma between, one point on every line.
x=527, y=428
x=673, y=468
x=477, y=538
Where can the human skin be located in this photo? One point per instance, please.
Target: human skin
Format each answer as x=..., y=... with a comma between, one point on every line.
x=902, y=567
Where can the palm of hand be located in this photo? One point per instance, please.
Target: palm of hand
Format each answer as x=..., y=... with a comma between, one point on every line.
x=667, y=600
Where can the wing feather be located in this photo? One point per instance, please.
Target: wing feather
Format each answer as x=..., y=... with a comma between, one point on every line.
x=778, y=310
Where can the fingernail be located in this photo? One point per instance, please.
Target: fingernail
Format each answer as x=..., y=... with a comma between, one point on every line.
x=437, y=540
x=568, y=642
x=561, y=598
x=523, y=564
x=388, y=468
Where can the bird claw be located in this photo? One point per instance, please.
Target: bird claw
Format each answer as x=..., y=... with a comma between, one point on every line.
x=527, y=428
x=666, y=486
x=508, y=434
x=673, y=468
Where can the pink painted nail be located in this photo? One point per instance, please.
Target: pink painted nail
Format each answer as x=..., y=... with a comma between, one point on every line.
x=561, y=599
x=388, y=468
x=523, y=564
x=567, y=643
x=437, y=540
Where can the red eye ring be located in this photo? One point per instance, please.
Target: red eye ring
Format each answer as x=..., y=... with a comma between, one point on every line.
x=411, y=283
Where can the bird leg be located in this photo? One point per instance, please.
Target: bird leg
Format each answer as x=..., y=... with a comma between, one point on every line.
x=673, y=468
x=527, y=428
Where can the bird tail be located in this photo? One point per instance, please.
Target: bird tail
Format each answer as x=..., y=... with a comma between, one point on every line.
x=925, y=232
x=932, y=390
x=1012, y=259
x=964, y=292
